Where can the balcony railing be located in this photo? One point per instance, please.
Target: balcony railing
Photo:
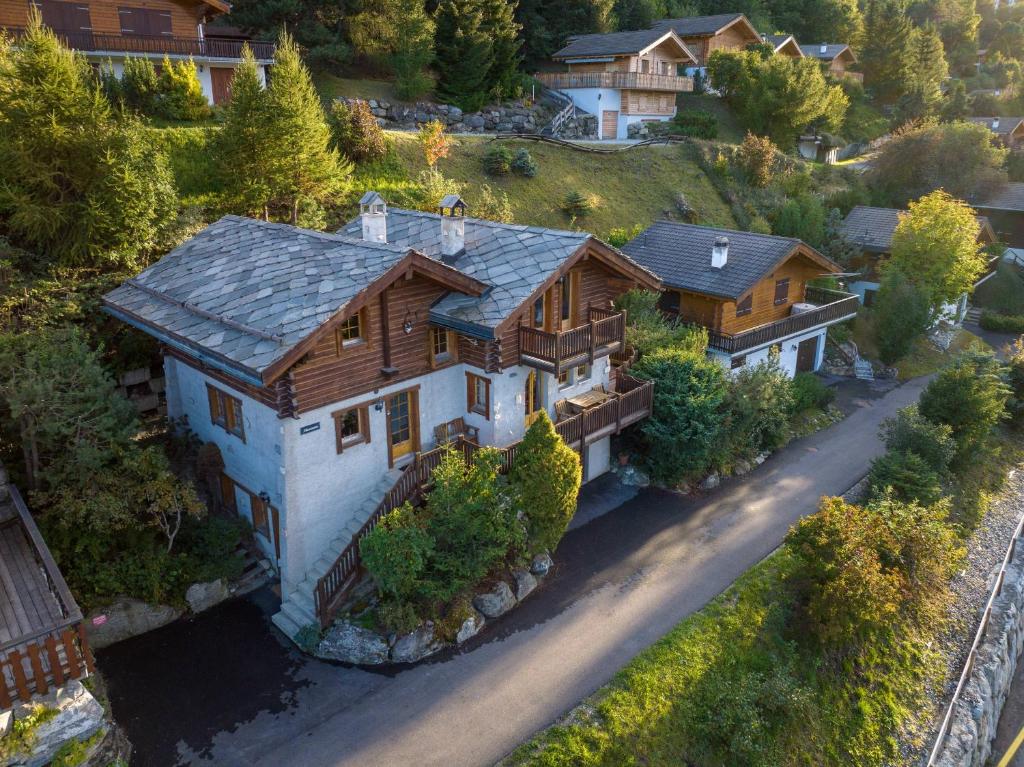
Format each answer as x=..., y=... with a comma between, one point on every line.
x=211, y=48
x=631, y=402
x=604, y=333
x=627, y=80
x=832, y=306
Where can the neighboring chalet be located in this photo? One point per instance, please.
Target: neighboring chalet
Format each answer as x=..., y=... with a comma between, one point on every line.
x=328, y=367
x=104, y=30
x=706, y=34
x=623, y=77
x=1009, y=130
x=42, y=640
x=749, y=290
x=1004, y=207
x=871, y=230
x=784, y=45
x=837, y=58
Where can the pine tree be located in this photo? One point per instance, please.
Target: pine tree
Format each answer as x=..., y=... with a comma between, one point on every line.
x=301, y=167
x=414, y=49
x=501, y=27
x=635, y=14
x=887, y=57
x=928, y=65
x=957, y=104
x=465, y=53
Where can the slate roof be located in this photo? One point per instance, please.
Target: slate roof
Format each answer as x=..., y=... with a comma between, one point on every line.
x=1009, y=196
x=1007, y=125
x=610, y=44
x=831, y=50
x=697, y=26
x=777, y=41
x=872, y=229
x=247, y=291
x=514, y=260
x=680, y=254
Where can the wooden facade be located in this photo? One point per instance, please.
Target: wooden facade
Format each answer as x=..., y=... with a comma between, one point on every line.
x=663, y=59
x=735, y=37
x=181, y=17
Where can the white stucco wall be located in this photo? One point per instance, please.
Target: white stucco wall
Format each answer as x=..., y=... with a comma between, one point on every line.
x=202, y=67
x=596, y=101
x=787, y=352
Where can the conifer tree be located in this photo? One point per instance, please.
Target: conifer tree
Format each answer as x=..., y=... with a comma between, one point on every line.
x=413, y=50
x=888, y=60
x=501, y=27
x=465, y=53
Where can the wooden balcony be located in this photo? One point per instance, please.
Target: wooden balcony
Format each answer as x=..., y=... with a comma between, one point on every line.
x=622, y=80
x=832, y=306
x=604, y=333
x=160, y=45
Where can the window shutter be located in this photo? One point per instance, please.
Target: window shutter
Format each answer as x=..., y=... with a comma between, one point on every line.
x=127, y=17
x=781, y=291
x=163, y=23
x=745, y=306
x=214, y=399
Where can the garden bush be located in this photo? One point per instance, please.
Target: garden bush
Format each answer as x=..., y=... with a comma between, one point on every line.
x=395, y=554
x=647, y=329
x=910, y=432
x=180, y=95
x=1003, y=293
x=524, y=164
x=355, y=131
x=809, y=391
x=1002, y=323
x=498, y=160
x=1015, y=380
x=907, y=476
x=902, y=314
x=697, y=123
x=757, y=405
x=756, y=159
x=138, y=88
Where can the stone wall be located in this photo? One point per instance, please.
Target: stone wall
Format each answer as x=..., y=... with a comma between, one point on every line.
x=513, y=117
x=976, y=713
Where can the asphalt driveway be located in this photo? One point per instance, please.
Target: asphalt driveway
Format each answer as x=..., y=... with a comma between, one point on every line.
x=225, y=689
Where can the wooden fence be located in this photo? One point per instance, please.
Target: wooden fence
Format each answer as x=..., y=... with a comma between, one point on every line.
x=33, y=667
x=604, y=332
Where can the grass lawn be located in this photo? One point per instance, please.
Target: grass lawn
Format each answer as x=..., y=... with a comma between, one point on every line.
x=331, y=87
x=729, y=129
x=924, y=357
x=633, y=187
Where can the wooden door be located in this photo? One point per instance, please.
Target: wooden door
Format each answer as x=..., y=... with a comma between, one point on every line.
x=568, y=297
x=402, y=417
x=532, y=398
x=220, y=80
x=610, y=124
x=807, y=355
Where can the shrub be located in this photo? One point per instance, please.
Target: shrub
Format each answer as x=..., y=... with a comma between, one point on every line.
x=493, y=206
x=757, y=406
x=1015, y=379
x=698, y=123
x=1002, y=323
x=680, y=436
x=576, y=204
x=619, y=236
x=139, y=85
x=809, y=391
x=1003, y=293
x=397, y=616
x=356, y=132
x=756, y=159
x=181, y=96
x=498, y=160
x=910, y=432
x=647, y=329
x=395, y=554
x=902, y=314
x=524, y=164
x=545, y=480
x=906, y=475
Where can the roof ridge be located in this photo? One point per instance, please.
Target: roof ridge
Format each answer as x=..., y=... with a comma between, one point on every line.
x=495, y=224
x=779, y=237
x=331, y=236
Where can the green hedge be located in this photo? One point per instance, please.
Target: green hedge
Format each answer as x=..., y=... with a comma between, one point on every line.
x=1002, y=323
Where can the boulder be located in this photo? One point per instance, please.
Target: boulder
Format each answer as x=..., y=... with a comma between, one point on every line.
x=126, y=618
x=347, y=642
x=497, y=601
x=711, y=481
x=203, y=596
x=525, y=583
x=416, y=645
x=474, y=121
x=454, y=112
x=470, y=627
x=741, y=468
x=541, y=564
x=6, y=720
x=79, y=717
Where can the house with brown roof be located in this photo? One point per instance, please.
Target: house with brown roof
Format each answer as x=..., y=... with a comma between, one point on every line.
x=705, y=34
x=105, y=30
x=836, y=58
x=751, y=291
x=1008, y=130
x=623, y=77
x=784, y=45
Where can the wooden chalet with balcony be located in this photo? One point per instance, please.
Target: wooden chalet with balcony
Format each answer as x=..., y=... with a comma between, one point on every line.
x=623, y=77
x=751, y=291
x=784, y=45
x=107, y=31
x=703, y=35
x=836, y=58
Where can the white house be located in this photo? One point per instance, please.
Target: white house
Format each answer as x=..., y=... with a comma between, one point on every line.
x=322, y=365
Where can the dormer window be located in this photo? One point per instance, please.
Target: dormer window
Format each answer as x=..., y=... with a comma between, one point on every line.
x=350, y=332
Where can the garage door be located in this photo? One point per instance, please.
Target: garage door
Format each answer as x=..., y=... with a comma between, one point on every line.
x=220, y=80
x=610, y=124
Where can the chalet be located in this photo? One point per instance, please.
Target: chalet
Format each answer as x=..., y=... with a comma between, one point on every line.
x=749, y=290
x=1008, y=130
x=623, y=77
x=328, y=368
x=784, y=45
x=705, y=34
x=836, y=58
x=104, y=30
x=42, y=640
x=871, y=230
x=1004, y=206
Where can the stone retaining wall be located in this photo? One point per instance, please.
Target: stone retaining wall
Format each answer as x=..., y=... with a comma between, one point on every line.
x=515, y=117
x=976, y=713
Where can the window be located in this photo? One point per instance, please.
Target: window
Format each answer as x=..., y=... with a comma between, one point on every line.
x=564, y=380
x=226, y=412
x=442, y=346
x=351, y=427
x=669, y=301
x=350, y=332
x=869, y=297
x=738, y=362
x=582, y=373
x=645, y=66
x=781, y=291
x=538, y=313
x=478, y=395
x=746, y=306
x=260, y=520
x=144, y=22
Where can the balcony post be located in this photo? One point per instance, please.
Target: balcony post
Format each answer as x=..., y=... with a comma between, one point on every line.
x=593, y=339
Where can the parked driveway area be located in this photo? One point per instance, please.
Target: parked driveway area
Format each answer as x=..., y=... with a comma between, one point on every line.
x=226, y=689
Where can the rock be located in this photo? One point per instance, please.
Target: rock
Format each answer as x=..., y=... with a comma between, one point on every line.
x=347, y=642
x=203, y=596
x=741, y=468
x=455, y=112
x=416, y=645
x=711, y=481
x=126, y=618
x=474, y=121
x=541, y=564
x=495, y=602
x=761, y=458
x=373, y=104
x=6, y=720
x=525, y=583
x=470, y=627
x=79, y=717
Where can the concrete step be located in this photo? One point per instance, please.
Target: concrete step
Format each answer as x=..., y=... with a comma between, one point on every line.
x=299, y=615
x=973, y=314
x=863, y=370
x=304, y=600
x=286, y=624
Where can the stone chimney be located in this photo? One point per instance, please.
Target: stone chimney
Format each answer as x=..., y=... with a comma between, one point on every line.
x=823, y=49
x=373, y=213
x=453, y=226
x=995, y=123
x=720, y=252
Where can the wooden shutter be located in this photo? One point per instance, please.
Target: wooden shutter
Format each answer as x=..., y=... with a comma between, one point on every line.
x=745, y=306
x=216, y=413
x=127, y=18
x=781, y=291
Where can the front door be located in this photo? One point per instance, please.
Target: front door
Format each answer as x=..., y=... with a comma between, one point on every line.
x=609, y=124
x=532, y=398
x=220, y=82
x=807, y=355
x=401, y=413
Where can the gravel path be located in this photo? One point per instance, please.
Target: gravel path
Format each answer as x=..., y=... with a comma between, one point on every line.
x=971, y=587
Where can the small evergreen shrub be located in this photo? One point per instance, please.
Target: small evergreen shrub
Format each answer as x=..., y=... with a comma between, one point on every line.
x=809, y=391
x=397, y=616
x=575, y=204
x=1002, y=323
x=698, y=123
x=620, y=235
x=139, y=85
x=524, y=164
x=498, y=160
x=910, y=432
x=181, y=96
x=757, y=406
x=395, y=553
x=905, y=475
x=902, y=314
x=356, y=132
x=1015, y=380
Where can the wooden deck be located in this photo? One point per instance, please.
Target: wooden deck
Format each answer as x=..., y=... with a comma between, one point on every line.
x=27, y=606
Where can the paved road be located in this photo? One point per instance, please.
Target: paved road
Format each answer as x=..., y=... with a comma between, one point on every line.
x=1011, y=725
x=221, y=690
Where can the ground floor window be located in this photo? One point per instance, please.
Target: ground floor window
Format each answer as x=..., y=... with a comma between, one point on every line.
x=351, y=427
x=738, y=362
x=478, y=395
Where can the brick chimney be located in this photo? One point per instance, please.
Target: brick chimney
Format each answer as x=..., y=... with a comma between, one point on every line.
x=373, y=214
